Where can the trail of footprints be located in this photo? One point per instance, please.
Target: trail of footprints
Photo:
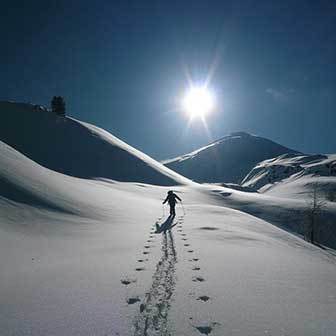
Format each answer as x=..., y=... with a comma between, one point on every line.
x=154, y=307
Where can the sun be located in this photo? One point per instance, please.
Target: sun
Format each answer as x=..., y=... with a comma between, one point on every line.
x=198, y=102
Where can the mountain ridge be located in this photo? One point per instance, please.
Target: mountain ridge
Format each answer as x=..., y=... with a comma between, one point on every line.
x=77, y=148
x=228, y=159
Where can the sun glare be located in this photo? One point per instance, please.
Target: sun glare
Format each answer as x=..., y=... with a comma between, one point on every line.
x=198, y=102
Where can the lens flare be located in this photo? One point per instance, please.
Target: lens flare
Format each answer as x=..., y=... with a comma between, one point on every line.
x=198, y=102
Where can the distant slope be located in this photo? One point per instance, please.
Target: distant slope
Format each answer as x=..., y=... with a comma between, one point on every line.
x=76, y=148
x=282, y=174
x=228, y=159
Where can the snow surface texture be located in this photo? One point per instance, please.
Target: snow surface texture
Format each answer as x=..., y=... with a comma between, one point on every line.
x=268, y=173
x=100, y=257
x=226, y=160
x=293, y=178
x=76, y=148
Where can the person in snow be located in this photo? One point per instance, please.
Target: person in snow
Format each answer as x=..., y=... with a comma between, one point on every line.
x=171, y=199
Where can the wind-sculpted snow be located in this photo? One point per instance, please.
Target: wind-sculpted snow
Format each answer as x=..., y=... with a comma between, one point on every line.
x=76, y=148
x=226, y=160
x=25, y=182
x=267, y=173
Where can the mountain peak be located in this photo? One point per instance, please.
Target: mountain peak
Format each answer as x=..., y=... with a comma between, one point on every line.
x=227, y=159
x=240, y=134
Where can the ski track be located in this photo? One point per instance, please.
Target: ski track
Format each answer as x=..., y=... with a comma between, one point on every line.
x=152, y=319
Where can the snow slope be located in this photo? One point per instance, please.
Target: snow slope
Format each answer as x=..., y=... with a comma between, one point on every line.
x=288, y=183
x=81, y=257
x=287, y=208
x=267, y=174
x=226, y=160
x=76, y=148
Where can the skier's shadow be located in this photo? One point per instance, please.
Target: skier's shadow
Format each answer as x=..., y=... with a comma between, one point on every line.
x=166, y=225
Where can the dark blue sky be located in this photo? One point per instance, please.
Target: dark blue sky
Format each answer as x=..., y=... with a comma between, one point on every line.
x=122, y=65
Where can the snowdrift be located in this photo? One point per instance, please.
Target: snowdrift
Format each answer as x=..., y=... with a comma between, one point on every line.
x=228, y=159
x=76, y=148
x=28, y=187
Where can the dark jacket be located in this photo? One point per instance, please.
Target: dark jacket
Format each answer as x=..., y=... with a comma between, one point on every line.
x=171, y=199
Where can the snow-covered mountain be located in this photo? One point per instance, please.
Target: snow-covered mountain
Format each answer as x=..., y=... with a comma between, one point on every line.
x=228, y=159
x=76, y=148
x=282, y=172
x=82, y=256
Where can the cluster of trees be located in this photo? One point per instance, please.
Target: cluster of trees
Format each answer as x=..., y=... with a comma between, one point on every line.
x=58, y=105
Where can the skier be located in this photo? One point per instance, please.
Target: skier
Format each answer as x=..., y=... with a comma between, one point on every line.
x=171, y=199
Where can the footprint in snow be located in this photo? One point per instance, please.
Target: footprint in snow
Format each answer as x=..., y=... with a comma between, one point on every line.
x=208, y=228
x=190, y=251
x=131, y=301
x=206, y=329
x=127, y=281
x=142, y=307
x=186, y=244
x=198, y=279
x=139, y=269
x=203, y=298
x=196, y=268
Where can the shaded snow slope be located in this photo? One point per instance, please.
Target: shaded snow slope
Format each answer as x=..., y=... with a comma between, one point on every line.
x=226, y=160
x=287, y=208
x=24, y=182
x=76, y=148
